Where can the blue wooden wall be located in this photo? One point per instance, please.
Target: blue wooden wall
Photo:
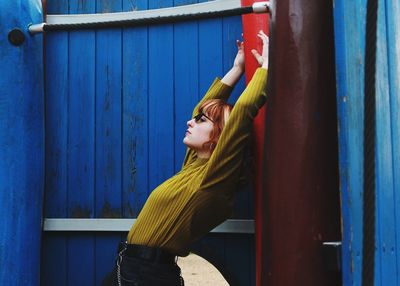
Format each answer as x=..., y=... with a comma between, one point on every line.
x=21, y=145
x=350, y=17
x=117, y=102
x=387, y=267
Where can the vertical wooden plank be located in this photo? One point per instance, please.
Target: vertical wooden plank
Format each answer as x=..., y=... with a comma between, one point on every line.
x=210, y=52
x=386, y=220
x=161, y=109
x=109, y=118
x=135, y=115
x=81, y=113
x=81, y=117
x=186, y=79
x=54, y=260
x=21, y=144
x=80, y=259
x=105, y=254
x=393, y=51
x=56, y=73
x=54, y=251
x=349, y=23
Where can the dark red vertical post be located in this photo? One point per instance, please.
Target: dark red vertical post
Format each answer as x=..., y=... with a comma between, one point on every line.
x=301, y=191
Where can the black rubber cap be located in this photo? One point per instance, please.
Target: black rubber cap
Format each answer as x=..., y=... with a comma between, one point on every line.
x=16, y=37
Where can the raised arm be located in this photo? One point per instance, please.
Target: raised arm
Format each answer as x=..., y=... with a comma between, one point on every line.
x=222, y=88
x=224, y=167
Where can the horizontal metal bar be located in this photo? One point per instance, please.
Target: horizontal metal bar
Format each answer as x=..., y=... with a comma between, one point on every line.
x=332, y=243
x=122, y=224
x=209, y=9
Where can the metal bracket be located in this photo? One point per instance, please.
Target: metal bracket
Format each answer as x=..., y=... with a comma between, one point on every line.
x=333, y=255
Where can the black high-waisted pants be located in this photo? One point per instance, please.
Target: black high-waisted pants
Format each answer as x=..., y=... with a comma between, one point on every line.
x=144, y=266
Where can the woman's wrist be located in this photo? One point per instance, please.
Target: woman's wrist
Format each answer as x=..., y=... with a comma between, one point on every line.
x=238, y=69
x=265, y=65
x=233, y=75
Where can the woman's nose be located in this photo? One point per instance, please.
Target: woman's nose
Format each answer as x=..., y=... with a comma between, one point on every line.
x=190, y=122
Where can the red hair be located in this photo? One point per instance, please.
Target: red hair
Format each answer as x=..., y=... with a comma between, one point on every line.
x=218, y=110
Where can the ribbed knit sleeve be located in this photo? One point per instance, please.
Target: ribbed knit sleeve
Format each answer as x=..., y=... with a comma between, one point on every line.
x=224, y=166
x=217, y=90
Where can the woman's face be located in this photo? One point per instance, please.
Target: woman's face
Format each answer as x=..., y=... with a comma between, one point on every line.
x=198, y=132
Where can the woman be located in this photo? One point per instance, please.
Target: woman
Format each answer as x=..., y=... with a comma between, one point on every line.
x=200, y=196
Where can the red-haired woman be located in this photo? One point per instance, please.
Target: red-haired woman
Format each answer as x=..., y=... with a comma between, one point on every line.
x=200, y=196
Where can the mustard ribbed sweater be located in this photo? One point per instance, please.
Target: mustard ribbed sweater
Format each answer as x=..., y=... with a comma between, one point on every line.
x=200, y=196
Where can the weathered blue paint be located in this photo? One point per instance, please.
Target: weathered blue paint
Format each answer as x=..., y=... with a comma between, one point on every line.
x=108, y=134
x=186, y=81
x=161, y=102
x=384, y=188
x=392, y=10
x=83, y=94
x=21, y=145
x=349, y=18
x=135, y=116
x=387, y=247
x=54, y=269
x=350, y=40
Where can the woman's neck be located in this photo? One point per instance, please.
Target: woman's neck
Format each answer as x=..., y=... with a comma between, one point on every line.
x=203, y=154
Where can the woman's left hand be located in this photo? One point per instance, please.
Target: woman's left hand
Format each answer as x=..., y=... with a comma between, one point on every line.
x=239, y=59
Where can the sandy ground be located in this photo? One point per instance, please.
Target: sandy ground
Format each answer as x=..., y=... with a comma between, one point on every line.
x=198, y=271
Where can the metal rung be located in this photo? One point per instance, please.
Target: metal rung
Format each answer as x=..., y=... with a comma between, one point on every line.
x=116, y=225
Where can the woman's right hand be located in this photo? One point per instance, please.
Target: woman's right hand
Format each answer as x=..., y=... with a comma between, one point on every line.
x=262, y=59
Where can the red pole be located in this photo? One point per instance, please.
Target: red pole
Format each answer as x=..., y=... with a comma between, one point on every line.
x=252, y=23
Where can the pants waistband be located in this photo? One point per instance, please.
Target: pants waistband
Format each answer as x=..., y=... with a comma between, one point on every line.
x=150, y=254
